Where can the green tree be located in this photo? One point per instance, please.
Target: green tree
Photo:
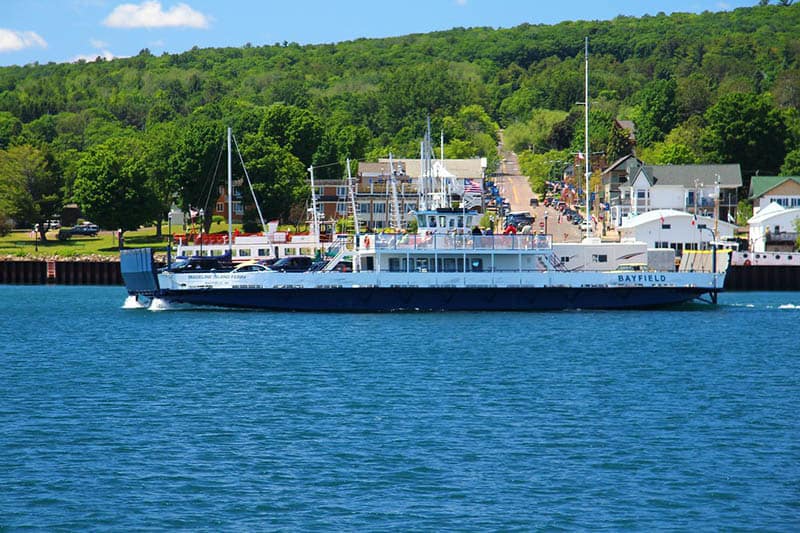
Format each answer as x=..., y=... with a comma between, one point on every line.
x=657, y=113
x=10, y=127
x=29, y=189
x=746, y=129
x=791, y=165
x=159, y=165
x=111, y=185
x=278, y=176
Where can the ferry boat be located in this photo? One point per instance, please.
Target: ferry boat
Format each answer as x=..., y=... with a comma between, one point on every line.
x=447, y=265
x=432, y=270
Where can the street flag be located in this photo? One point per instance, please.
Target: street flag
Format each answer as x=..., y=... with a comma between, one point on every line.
x=662, y=219
x=694, y=219
x=471, y=187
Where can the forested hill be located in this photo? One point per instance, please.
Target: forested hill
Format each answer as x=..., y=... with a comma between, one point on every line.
x=713, y=87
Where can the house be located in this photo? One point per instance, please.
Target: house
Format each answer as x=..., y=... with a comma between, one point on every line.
x=617, y=174
x=679, y=230
x=374, y=195
x=221, y=205
x=773, y=228
x=690, y=188
x=782, y=190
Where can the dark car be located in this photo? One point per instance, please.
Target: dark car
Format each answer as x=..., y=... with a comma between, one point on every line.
x=534, y=202
x=294, y=263
x=85, y=229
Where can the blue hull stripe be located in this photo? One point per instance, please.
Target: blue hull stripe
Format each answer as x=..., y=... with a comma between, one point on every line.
x=436, y=299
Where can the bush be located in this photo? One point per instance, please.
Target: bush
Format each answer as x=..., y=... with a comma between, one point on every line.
x=64, y=235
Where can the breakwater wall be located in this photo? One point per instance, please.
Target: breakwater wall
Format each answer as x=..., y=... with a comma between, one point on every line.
x=60, y=272
x=763, y=278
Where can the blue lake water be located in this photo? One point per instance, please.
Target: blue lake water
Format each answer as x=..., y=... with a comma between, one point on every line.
x=114, y=419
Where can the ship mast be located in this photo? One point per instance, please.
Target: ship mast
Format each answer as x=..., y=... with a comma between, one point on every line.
x=230, y=197
x=587, y=153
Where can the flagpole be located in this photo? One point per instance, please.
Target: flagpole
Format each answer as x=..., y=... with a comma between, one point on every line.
x=587, y=153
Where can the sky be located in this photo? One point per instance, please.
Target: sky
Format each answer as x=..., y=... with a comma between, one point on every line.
x=68, y=30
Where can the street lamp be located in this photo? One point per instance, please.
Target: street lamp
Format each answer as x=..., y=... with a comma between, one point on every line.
x=36, y=237
x=202, y=224
x=545, y=222
x=169, y=242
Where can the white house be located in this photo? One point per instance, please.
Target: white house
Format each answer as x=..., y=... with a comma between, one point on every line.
x=679, y=230
x=773, y=228
x=690, y=188
x=782, y=190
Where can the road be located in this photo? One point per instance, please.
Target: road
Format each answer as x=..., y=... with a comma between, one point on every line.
x=514, y=187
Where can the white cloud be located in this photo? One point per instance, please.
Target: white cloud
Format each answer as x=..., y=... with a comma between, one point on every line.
x=105, y=54
x=461, y=2
x=96, y=43
x=11, y=40
x=150, y=14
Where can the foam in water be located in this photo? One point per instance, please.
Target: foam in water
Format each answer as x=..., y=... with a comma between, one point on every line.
x=788, y=306
x=131, y=302
x=160, y=305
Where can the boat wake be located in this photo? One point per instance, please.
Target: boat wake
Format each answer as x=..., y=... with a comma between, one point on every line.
x=131, y=302
x=788, y=306
x=163, y=305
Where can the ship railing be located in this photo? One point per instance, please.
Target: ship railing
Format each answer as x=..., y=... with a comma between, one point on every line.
x=463, y=242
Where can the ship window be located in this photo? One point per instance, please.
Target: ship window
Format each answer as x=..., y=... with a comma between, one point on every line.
x=476, y=264
x=447, y=264
x=452, y=223
x=262, y=252
x=431, y=221
x=442, y=221
x=666, y=226
x=460, y=222
x=421, y=264
x=243, y=252
x=600, y=258
x=394, y=264
x=565, y=259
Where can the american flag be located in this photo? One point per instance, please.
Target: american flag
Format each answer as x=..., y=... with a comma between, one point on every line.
x=472, y=187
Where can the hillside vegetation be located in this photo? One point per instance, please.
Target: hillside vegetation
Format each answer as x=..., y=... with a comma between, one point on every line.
x=124, y=138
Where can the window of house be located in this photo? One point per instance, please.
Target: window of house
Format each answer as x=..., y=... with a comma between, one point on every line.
x=363, y=207
x=341, y=192
x=220, y=207
x=238, y=208
x=341, y=208
x=378, y=208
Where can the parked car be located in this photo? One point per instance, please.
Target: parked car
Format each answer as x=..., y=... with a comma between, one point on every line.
x=534, y=202
x=294, y=263
x=52, y=224
x=87, y=228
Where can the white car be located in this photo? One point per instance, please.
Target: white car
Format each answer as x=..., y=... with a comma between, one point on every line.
x=586, y=225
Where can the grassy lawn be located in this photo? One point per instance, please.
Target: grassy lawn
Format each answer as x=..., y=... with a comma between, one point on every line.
x=21, y=243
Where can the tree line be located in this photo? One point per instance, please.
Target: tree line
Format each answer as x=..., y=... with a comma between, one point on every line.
x=126, y=138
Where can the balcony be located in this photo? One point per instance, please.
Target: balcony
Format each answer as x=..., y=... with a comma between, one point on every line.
x=781, y=237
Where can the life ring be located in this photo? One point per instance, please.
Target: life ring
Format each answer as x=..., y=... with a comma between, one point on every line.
x=747, y=262
x=366, y=241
